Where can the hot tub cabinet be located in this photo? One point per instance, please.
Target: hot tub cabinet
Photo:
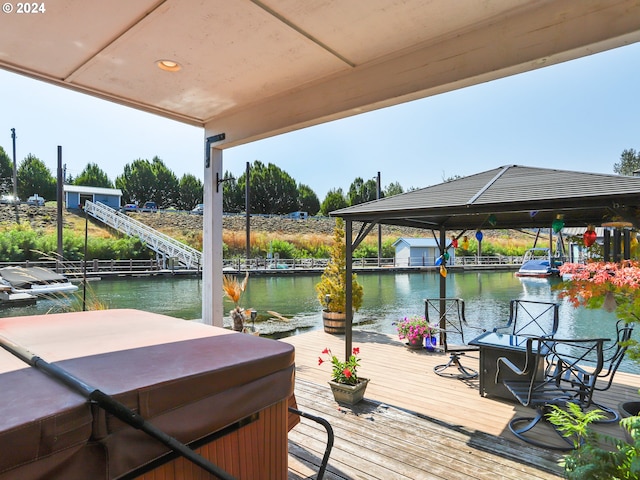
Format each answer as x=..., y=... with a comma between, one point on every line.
x=225, y=393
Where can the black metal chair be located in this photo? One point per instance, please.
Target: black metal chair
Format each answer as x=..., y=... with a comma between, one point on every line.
x=613, y=356
x=531, y=318
x=564, y=379
x=449, y=314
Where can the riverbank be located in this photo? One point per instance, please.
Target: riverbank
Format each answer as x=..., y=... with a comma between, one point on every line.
x=307, y=234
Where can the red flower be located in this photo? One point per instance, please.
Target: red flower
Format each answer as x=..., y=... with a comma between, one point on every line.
x=347, y=373
x=326, y=351
x=320, y=361
x=356, y=350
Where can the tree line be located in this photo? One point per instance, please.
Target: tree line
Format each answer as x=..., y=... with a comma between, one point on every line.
x=271, y=189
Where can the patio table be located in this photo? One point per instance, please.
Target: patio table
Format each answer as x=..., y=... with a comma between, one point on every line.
x=492, y=346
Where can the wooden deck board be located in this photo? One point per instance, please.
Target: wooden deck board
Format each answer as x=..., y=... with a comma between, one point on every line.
x=414, y=424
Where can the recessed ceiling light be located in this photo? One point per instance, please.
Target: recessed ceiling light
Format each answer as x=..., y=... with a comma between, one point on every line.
x=168, y=65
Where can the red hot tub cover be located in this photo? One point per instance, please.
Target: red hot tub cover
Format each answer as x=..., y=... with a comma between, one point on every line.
x=187, y=379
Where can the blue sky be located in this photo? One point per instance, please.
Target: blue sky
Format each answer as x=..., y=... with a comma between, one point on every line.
x=579, y=115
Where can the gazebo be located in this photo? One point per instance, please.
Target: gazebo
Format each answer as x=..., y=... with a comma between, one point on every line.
x=508, y=197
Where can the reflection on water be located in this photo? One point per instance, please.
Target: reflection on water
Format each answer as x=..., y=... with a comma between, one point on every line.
x=387, y=298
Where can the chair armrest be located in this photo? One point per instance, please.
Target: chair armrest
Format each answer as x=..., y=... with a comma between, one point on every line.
x=501, y=327
x=511, y=366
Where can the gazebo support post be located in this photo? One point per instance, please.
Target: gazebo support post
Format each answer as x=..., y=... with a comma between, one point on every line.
x=443, y=284
x=348, y=332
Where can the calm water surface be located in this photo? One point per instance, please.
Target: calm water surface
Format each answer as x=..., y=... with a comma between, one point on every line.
x=387, y=298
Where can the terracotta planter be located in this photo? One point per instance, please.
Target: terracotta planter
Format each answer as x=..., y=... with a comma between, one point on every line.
x=629, y=409
x=349, y=394
x=334, y=322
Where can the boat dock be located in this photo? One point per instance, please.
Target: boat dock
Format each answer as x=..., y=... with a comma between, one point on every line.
x=414, y=424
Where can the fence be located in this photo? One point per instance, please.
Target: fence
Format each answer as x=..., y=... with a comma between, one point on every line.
x=76, y=268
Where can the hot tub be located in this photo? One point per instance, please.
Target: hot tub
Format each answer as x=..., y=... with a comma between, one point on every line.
x=227, y=392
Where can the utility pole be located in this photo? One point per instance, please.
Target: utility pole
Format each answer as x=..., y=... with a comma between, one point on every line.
x=247, y=204
x=15, y=175
x=59, y=195
x=378, y=194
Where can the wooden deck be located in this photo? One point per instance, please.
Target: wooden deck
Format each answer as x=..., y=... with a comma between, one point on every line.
x=414, y=424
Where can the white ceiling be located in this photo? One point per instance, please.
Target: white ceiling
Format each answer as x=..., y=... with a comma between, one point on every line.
x=253, y=69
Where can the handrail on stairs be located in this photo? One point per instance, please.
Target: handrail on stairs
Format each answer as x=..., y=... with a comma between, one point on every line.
x=157, y=241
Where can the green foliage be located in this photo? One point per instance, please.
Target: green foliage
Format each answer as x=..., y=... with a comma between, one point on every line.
x=334, y=200
x=144, y=181
x=307, y=200
x=34, y=177
x=271, y=190
x=191, y=192
x=22, y=243
x=343, y=372
x=284, y=249
x=629, y=163
x=167, y=191
x=333, y=281
x=93, y=176
x=17, y=244
x=6, y=172
x=361, y=191
x=596, y=456
x=232, y=195
x=137, y=182
x=392, y=189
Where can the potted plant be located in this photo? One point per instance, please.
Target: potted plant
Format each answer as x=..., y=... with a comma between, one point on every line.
x=415, y=329
x=332, y=286
x=616, y=288
x=233, y=289
x=345, y=384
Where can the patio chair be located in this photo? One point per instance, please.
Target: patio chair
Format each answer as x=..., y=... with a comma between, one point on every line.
x=565, y=379
x=449, y=314
x=531, y=318
x=613, y=356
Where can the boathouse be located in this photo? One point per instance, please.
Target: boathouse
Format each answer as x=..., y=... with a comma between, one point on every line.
x=413, y=252
x=76, y=195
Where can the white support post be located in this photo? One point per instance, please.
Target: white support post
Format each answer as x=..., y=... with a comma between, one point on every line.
x=212, y=308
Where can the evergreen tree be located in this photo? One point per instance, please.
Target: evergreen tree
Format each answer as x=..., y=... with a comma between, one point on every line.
x=272, y=190
x=232, y=195
x=334, y=200
x=34, y=177
x=6, y=172
x=308, y=200
x=93, y=176
x=333, y=281
x=361, y=191
x=629, y=163
x=138, y=182
x=191, y=192
x=392, y=189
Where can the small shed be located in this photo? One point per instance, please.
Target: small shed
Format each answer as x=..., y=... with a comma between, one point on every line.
x=414, y=252
x=76, y=195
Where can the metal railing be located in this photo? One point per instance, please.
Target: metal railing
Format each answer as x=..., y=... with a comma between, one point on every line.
x=74, y=268
x=160, y=243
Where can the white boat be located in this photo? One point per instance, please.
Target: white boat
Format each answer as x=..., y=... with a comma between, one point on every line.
x=538, y=262
x=36, y=281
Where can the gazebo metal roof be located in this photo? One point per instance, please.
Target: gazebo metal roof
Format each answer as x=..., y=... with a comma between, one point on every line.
x=516, y=196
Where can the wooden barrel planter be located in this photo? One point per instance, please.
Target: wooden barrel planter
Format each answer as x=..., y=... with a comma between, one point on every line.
x=334, y=322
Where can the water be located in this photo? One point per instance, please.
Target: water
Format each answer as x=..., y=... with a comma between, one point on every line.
x=388, y=297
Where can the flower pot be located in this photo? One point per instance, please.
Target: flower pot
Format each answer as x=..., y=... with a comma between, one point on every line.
x=348, y=394
x=415, y=343
x=629, y=409
x=334, y=322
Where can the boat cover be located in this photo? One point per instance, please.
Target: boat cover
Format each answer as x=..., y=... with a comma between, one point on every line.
x=187, y=379
x=24, y=277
